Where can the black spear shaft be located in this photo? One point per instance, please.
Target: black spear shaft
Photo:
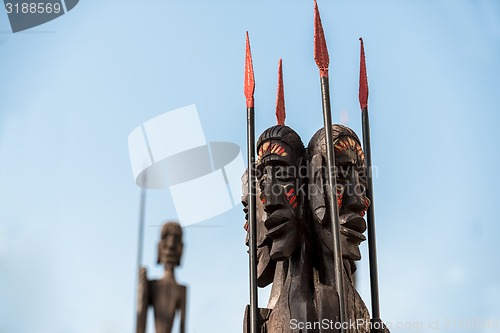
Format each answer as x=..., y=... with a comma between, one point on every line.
x=370, y=216
x=252, y=220
x=323, y=60
x=377, y=325
x=249, y=89
x=334, y=210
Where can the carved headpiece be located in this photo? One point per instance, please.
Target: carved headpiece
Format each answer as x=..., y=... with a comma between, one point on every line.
x=344, y=139
x=269, y=145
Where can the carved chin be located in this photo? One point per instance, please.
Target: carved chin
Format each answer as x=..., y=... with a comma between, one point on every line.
x=281, y=228
x=170, y=258
x=351, y=229
x=351, y=251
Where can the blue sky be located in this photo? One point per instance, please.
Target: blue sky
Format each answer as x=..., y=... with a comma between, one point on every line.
x=74, y=88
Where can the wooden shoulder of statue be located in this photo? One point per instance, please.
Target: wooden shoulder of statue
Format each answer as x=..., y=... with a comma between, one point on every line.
x=164, y=295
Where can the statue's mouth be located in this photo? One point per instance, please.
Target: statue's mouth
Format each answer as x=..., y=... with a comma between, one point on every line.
x=171, y=255
x=276, y=224
x=352, y=225
x=354, y=236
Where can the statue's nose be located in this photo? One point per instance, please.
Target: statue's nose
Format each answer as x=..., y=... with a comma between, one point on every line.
x=170, y=242
x=356, y=193
x=271, y=195
x=271, y=198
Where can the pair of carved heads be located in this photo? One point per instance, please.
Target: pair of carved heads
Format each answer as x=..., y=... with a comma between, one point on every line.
x=291, y=181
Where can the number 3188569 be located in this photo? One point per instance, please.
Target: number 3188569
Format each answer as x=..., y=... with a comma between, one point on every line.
x=33, y=8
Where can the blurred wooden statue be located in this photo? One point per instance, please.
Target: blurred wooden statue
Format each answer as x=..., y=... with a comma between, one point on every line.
x=165, y=295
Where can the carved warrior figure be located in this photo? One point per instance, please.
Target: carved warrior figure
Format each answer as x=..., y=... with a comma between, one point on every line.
x=166, y=296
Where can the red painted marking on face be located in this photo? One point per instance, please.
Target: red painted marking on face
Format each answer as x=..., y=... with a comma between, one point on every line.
x=367, y=204
x=340, y=198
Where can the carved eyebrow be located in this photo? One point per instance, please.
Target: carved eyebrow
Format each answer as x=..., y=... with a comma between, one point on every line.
x=349, y=145
x=268, y=148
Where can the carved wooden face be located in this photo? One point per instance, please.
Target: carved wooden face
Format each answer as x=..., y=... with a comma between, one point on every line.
x=281, y=187
x=265, y=266
x=261, y=234
x=170, y=246
x=351, y=193
x=351, y=187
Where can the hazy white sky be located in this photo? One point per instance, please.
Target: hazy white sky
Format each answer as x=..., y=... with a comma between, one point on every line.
x=73, y=89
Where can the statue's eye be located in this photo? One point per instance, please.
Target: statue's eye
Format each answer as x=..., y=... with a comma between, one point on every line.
x=262, y=183
x=362, y=175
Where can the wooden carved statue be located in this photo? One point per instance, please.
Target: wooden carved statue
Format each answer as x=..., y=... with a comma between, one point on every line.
x=305, y=216
x=294, y=247
x=165, y=295
x=294, y=237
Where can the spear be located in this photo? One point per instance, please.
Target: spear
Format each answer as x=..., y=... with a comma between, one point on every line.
x=372, y=246
x=249, y=89
x=142, y=213
x=140, y=320
x=322, y=60
x=280, y=97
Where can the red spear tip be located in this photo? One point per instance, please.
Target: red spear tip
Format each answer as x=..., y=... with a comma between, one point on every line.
x=249, y=87
x=363, y=80
x=280, y=98
x=320, y=50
